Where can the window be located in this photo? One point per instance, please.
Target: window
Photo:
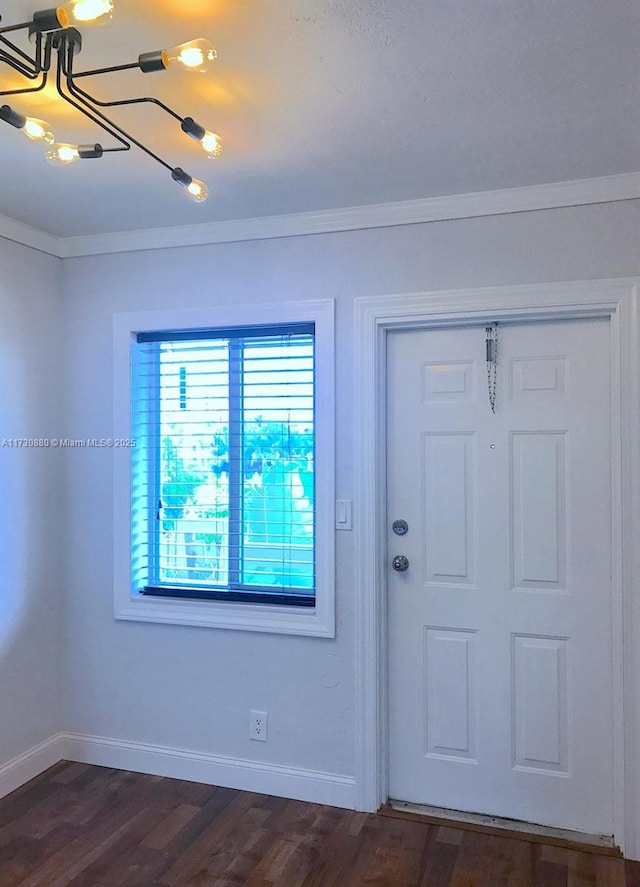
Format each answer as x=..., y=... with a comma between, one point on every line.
x=230, y=478
x=223, y=493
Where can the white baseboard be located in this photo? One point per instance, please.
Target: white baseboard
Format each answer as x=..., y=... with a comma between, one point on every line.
x=273, y=779
x=30, y=764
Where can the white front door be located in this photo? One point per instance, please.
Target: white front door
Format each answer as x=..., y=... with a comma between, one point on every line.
x=500, y=675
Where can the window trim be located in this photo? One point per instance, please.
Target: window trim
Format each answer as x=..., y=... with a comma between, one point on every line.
x=317, y=621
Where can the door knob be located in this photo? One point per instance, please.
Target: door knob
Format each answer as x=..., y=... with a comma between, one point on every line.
x=400, y=563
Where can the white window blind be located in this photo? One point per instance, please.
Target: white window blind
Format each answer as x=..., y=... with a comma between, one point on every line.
x=223, y=484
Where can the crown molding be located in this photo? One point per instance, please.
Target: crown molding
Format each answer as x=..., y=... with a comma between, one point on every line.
x=580, y=192
x=18, y=232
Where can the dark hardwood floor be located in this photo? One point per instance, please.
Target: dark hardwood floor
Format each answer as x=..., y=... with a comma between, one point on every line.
x=94, y=827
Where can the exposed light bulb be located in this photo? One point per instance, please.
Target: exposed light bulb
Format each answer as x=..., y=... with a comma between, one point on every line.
x=34, y=129
x=196, y=55
x=194, y=187
x=210, y=141
x=38, y=130
x=77, y=12
x=61, y=154
x=197, y=190
x=95, y=11
x=212, y=144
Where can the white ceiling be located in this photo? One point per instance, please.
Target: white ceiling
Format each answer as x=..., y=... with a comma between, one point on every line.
x=336, y=103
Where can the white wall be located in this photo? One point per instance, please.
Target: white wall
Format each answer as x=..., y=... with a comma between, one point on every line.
x=30, y=502
x=193, y=688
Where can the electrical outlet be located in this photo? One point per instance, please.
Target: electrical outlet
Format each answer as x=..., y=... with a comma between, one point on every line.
x=258, y=726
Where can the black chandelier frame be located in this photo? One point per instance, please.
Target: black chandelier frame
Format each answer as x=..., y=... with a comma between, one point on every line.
x=50, y=38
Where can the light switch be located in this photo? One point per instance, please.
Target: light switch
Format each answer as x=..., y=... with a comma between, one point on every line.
x=343, y=514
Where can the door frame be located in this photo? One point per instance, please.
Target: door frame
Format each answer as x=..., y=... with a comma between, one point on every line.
x=375, y=317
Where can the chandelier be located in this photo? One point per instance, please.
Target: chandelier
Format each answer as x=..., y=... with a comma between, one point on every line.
x=56, y=42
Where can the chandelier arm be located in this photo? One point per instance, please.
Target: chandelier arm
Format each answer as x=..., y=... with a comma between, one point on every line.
x=112, y=132
x=93, y=113
x=41, y=64
x=104, y=126
x=34, y=63
x=108, y=70
x=43, y=83
x=41, y=60
x=23, y=26
x=137, y=101
x=65, y=62
x=18, y=66
x=151, y=99
x=87, y=112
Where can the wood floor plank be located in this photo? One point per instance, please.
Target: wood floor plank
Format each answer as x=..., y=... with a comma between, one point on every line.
x=609, y=872
x=439, y=865
x=71, y=772
x=632, y=873
x=449, y=835
x=171, y=826
x=235, y=857
x=472, y=863
x=84, y=826
x=205, y=835
x=521, y=855
x=414, y=847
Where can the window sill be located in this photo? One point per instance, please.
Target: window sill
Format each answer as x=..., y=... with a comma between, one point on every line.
x=256, y=595
x=305, y=621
